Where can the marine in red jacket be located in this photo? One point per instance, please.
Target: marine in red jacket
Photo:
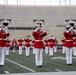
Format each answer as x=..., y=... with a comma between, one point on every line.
x=51, y=44
x=68, y=34
x=8, y=43
x=14, y=44
x=27, y=44
x=55, y=46
x=3, y=36
x=38, y=35
x=46, y=42
x=51, y=41
x=20, y=41
x=56, y=41
x=27, y=41
x=69, y=39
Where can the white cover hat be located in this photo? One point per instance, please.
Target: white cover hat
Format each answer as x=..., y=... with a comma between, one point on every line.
x=67, y=26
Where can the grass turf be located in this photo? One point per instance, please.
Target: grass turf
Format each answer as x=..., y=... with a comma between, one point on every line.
x=49, y=65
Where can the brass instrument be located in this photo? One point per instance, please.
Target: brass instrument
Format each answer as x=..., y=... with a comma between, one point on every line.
x=71, y=26
x=5, y=23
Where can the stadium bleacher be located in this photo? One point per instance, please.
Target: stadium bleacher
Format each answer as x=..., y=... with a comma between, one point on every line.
x=54, y=21
x=24, y=15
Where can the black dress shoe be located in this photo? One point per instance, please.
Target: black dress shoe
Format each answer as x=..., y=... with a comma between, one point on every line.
x=69, y=64
x=39, y=66
x=1, y=65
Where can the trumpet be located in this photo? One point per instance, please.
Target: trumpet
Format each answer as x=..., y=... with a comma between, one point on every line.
x=70, y=29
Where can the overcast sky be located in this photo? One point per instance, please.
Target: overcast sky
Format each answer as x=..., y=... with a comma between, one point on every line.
x=38, y=2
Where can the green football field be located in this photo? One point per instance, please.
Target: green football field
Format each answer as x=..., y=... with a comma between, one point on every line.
x=22, y=64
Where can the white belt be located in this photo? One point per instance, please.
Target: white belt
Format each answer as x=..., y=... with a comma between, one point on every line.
x=51, y=43
x=2, y=39
x=38, y=40
x=26, y=43
x=69, y=40
x=46, y=43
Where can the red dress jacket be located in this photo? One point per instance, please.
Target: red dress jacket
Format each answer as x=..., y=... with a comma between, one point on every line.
x=56, y=42
x=8, y=43
x=46, y=42
x=14, y=42
x=74, y=42
x=27, y=42
x=38, y=36
x=63, y=42
x=51, y=42
x=3, y=36
x=20, y=42
x=69, y=39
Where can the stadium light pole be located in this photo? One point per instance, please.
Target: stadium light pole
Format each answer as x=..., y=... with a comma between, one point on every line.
x=17, y=2
x=34, y=2
x=59, y=2
x=65, y=2
x=50, y=2
x=69, y=2
x=6, y=2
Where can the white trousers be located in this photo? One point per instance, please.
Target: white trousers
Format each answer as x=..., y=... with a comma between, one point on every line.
x=2, y=55
x=14, y=49
x=69, y=55
x=51, y=51
x=39, y=56
x=46, y=50
x=63, y=49
x=20, y=50
x=55, y=48
x=33, y=50
x=7, y=50
x=27, y=51
x=74, y=51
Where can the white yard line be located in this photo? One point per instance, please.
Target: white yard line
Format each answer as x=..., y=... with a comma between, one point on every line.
x=20, y=65
x=63, y=58
x=74, y=57
x=6, y=72
x=58, y=70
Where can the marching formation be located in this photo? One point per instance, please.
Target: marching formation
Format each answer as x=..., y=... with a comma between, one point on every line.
x=38, y=43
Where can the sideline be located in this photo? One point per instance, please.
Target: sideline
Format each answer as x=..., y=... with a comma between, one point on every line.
x=45, y=73
x=63, y=58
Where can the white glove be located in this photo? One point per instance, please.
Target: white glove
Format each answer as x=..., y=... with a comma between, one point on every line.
x=70, y=29
x=36, y=29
